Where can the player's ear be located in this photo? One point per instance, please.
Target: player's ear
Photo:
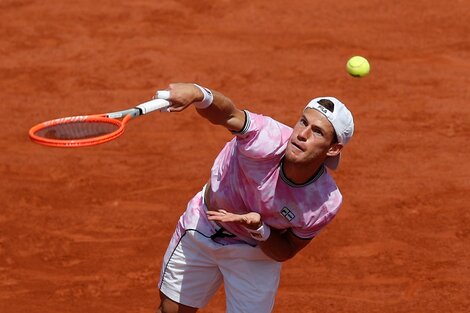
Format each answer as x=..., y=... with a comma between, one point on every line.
x=334, y=149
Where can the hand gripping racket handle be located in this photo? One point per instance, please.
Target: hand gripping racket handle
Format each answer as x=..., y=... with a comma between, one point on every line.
x=144, y=108
x=153, y=105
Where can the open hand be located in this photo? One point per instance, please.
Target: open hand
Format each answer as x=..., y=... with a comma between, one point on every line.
x=250, y=220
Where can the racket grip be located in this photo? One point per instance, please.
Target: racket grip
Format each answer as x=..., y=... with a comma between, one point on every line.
x=153, y=105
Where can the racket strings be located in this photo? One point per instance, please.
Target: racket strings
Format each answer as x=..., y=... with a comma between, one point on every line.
x=77, y=130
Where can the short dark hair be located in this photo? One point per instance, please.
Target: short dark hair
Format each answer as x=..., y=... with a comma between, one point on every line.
x=330, y=106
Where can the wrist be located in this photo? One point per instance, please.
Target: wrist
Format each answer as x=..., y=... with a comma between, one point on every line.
x=206, y=100
x=262, y=233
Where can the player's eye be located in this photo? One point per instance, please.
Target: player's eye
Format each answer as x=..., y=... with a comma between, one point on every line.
x=317, y=131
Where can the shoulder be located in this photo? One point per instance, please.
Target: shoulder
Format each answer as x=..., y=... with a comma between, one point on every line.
x=255, y=122
x=327, y=191
x=262, y=135
x=319, y=208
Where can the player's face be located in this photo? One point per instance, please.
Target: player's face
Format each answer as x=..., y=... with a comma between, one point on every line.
x=311, y=139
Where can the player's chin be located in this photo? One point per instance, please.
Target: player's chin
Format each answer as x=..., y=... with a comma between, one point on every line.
x=293, y=156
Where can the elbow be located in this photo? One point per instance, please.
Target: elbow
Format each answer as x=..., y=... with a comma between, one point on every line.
x=280, y=257
x=285, y=257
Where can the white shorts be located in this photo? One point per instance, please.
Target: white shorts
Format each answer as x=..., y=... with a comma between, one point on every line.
x=195, y=266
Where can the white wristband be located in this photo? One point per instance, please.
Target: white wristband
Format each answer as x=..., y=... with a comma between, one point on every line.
x=260, y=234
x=207, y=100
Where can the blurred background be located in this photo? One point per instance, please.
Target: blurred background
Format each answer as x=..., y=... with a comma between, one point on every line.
x=84, y=230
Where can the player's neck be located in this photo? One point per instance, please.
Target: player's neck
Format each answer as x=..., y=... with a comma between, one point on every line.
x=300, y=173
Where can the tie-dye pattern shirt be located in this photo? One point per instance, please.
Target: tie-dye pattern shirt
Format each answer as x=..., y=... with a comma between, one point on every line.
x=247, y=176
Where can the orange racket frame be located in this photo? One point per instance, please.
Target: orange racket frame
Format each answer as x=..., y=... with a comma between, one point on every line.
x=110, y=118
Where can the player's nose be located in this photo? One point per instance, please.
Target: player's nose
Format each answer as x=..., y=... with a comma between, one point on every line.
x=302, y=134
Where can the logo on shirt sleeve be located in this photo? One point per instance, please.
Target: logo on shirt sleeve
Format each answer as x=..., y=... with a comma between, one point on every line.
x=288, y=214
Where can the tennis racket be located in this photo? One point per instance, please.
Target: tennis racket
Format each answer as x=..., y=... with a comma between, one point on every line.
x=90, y=130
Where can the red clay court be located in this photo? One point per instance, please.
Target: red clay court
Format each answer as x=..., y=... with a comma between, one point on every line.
x=84, y=230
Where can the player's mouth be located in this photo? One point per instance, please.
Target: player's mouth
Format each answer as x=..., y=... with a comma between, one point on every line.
x=297, y=146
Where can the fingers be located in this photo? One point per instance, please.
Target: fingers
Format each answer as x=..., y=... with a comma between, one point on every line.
x=217, y=213
x=174, y=108
x=227, y=217
x=163, y=94
x=177, y=95
x=222, y=216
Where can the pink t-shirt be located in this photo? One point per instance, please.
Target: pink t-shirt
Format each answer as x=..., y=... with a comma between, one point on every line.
x=247, y=177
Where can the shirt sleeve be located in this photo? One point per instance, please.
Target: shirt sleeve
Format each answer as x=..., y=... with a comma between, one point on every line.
x=311, y=232
x=313, y=225
x=262, y=136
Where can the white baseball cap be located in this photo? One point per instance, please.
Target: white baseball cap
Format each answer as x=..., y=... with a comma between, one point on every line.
x=342, y=121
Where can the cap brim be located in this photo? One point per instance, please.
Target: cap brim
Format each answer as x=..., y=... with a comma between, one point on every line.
x=333, y=162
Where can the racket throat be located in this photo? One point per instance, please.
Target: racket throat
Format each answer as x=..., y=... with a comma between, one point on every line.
x=134, y=112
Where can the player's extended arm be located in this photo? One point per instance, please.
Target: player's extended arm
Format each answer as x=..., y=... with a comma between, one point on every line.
x=222, y=111
x=280, y=246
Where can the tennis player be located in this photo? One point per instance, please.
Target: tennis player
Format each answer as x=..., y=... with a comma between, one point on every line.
x=269, y=194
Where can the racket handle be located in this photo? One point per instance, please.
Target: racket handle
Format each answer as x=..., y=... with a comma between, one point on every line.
x=153, y=105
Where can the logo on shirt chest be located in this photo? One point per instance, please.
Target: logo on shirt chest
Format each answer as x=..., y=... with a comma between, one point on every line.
x=287, y=213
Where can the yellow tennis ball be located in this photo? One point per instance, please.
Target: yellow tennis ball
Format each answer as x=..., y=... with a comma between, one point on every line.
x=358, y=66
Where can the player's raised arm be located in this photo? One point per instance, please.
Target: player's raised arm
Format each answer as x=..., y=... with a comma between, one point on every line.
x=212, y=105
